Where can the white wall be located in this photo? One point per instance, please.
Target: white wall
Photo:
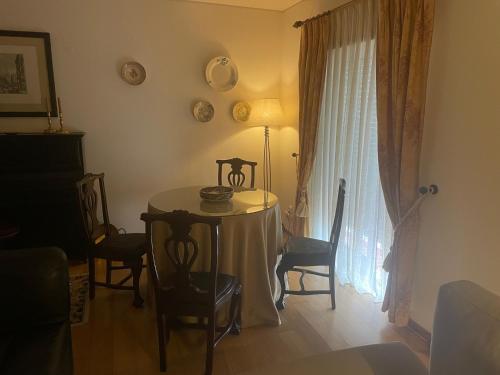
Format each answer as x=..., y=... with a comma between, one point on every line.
x=460, y=227
x=144, y=138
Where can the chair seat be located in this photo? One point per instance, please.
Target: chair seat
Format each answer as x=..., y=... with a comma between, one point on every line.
x=226, y=284
x=121, y=247
x=383, y=359
x=304, y=251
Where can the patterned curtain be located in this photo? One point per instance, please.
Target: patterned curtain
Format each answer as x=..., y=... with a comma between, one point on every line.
x=403, y=47
x=314, y=47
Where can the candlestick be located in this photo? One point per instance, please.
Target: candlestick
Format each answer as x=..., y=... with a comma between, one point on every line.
x=49, y=119
x=61, y=119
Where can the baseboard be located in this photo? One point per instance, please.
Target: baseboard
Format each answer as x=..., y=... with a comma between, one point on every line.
x=421, y=331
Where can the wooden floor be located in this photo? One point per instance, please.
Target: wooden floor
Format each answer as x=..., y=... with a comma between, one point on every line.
x=121, y=340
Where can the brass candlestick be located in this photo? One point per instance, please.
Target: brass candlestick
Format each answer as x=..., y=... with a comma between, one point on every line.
x=50, y=129
x=62, y=129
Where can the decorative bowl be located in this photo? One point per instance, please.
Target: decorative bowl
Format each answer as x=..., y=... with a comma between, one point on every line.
x=216, y=193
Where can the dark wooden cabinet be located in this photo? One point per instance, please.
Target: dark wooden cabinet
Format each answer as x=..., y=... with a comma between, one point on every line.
x=38, y=174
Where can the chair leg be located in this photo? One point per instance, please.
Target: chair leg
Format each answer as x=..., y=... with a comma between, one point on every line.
x=91, y=278
x=209, y=363
x=280, y=272
x=235, y=313
x=331, y=277
x=162, y=341
x=109, y=264
x=136, y=277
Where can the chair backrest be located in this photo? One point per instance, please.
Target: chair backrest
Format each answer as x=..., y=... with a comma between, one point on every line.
x=236, y=177
x=182, y=250
x=466, y=333
x=89, y=206
x=339, y=213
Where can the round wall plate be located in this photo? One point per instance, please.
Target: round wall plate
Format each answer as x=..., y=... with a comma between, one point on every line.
x=203, y=111
x=133, y=73
x=241, y=111
x=221, y=73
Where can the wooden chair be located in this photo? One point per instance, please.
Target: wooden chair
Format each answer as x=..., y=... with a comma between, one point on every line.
x=305, y=252
x=187, y=293
x=236, y=177
x=105, y=242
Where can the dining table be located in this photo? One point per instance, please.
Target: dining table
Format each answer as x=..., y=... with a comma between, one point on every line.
x=250, y=243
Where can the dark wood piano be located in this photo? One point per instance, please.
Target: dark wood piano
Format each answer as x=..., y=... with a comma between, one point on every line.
x=37, y=189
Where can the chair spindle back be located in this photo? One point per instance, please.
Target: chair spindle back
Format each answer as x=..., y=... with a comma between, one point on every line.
x=182, y=250
x=89, y=205
x=339, y=213
x=236, y=177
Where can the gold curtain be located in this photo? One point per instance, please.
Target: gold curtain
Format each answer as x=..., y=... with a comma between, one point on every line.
x=314, y=42
x=404, y=39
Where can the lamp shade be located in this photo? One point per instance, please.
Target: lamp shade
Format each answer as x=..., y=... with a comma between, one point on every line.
x=266, y=112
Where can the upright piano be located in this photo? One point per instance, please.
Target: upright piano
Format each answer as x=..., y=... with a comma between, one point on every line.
x=38, y=173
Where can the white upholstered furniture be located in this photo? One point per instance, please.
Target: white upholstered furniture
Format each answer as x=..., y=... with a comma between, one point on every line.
x=465, y=341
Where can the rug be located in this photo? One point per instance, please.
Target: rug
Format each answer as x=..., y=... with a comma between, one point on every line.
x=79, y=295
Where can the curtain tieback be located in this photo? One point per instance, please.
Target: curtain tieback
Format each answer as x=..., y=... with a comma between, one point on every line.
x=302, y=209
x=388, y=259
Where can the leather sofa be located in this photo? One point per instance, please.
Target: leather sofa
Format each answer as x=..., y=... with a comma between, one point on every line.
x=465, y=341
x=35, y=331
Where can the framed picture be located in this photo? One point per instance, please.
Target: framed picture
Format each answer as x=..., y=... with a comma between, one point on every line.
x=26, y=75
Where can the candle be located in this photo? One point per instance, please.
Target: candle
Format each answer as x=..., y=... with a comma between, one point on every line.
x=48, y=107
x=59, y=107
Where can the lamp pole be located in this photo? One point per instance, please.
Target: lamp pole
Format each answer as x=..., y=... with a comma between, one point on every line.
x=267, y=166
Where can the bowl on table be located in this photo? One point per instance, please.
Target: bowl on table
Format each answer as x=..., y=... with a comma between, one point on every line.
x=216, y=193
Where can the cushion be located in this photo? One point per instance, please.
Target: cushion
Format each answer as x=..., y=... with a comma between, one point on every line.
x=34, y=285
x=380, y=359
x=304, y=251
x=466, y=334
x=121, y=246
x=201, y=281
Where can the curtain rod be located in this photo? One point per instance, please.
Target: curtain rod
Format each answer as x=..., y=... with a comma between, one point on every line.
x=298, y=24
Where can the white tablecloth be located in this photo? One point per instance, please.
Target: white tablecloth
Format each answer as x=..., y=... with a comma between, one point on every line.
x=250, y=242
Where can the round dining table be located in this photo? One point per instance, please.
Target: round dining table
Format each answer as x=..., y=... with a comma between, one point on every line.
x=250, y=243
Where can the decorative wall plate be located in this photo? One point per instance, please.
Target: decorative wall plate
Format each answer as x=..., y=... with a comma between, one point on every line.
x=203, y=111
x=221, y=73
x=241, y=111
x=133, y=73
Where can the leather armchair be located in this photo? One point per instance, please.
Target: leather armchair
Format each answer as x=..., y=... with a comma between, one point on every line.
x=35, y=331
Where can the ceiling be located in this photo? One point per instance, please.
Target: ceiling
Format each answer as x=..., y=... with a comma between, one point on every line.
x=259, y=4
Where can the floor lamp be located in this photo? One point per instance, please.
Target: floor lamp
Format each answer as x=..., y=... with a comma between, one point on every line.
x=267, y=113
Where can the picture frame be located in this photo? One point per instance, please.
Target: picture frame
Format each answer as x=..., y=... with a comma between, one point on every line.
x=27, y=86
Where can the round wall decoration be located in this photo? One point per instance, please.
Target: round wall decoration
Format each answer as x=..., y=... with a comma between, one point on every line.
x=241, y=111
x=221, y=73
x=203, y=111
x=133, y=73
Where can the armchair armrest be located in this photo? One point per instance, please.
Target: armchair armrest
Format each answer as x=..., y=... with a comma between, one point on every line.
x=34, y=288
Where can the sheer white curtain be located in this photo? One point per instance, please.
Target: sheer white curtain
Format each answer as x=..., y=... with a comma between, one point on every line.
x=347, y=147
